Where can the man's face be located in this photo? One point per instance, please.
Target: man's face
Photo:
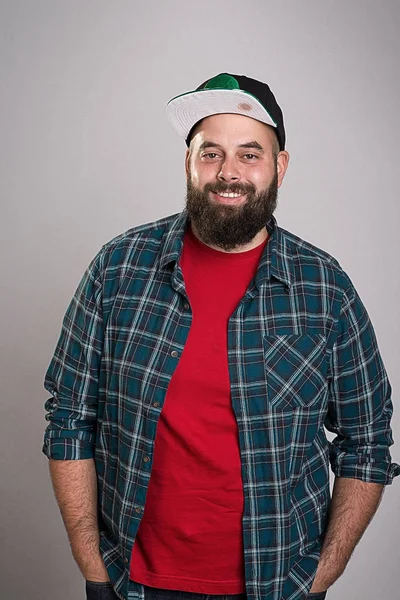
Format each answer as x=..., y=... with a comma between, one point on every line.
x=234, y=169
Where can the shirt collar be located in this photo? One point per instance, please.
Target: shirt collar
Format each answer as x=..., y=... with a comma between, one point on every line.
x=276, y=260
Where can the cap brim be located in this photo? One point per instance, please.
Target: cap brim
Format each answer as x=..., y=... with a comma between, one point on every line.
x=186, y=110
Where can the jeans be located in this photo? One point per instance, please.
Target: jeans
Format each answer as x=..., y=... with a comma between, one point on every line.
x=159, y=594
x=100, y=591
x=104, y=591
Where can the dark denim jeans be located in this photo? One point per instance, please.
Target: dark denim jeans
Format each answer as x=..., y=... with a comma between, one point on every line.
x=100, y=591
x=159, y=594
x=104, y=591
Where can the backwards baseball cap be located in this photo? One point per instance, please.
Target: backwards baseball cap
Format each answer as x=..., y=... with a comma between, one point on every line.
x=226, y=93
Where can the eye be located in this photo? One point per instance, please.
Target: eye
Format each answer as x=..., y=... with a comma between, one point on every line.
x=210, y=155
x=250, y=156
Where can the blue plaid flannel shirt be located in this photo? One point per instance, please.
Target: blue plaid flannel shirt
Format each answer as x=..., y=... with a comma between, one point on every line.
x=302, y=357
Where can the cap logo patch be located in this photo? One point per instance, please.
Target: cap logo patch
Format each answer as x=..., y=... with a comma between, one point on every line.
x=222, y=82
x=245, y=107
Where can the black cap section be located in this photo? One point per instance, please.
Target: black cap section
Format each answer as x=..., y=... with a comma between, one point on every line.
x=264, y=95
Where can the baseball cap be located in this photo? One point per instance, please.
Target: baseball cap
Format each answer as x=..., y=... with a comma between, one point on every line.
x=226, y=93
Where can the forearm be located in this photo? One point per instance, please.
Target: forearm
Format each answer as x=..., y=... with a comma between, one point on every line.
x=75, y=488
x=353, y=505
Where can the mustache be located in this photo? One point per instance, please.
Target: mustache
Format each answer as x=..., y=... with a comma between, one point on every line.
x=233, y=188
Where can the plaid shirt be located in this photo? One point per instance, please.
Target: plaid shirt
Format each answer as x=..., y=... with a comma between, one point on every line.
x=302, y=356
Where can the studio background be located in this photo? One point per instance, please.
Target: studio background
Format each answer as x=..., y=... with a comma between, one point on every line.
x=87, y=152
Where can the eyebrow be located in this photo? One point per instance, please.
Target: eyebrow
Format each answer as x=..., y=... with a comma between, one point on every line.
x=208, y=144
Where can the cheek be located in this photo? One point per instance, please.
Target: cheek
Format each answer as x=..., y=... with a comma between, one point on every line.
x=194, y=178
x=261, y=178
x=201, y=175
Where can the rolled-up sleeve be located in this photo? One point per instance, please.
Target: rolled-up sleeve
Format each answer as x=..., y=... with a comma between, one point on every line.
x=360, y=406
x=73, y=374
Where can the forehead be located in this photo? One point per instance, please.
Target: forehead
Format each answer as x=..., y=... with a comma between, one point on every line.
x=232, y=129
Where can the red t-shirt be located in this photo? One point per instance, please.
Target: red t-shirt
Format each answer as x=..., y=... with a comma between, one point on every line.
x=190, y=535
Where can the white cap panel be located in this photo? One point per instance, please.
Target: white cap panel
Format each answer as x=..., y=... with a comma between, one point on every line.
x=186, y=110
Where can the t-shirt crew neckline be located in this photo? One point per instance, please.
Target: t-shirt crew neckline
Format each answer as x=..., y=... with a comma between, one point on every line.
x=219, y=254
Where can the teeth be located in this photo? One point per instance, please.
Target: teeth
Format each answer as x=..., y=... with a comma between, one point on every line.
x=229, y=195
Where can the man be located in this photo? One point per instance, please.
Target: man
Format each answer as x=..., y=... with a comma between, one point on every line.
x=198, y=364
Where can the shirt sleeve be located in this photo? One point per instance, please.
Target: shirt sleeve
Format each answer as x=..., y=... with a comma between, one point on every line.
x=360, y=407
x=73, y=375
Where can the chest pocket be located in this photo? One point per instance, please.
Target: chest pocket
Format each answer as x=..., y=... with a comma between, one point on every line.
x=296, y=369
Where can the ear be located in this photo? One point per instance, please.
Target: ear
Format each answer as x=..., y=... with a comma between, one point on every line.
x=187, y=162
x=282, y=162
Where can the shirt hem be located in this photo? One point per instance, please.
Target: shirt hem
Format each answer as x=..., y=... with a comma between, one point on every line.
x=187, y=584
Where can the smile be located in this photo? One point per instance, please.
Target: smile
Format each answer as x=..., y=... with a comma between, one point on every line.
x=228, y=197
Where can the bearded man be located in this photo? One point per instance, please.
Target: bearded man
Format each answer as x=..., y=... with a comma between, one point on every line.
x=200, y=361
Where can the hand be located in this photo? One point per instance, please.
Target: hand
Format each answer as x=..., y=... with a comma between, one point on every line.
x=318, y=590
x=319, y=586
x=321, y=582
x=97, y=575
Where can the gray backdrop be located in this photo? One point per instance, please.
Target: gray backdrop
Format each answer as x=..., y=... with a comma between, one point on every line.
x=87, y=152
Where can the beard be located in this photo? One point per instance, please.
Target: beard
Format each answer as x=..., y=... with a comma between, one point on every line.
x=229, y=226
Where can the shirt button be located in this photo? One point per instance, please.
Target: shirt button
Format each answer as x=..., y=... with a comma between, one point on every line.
x=146, y=459
x=156, y=404
x=174, y=353
x=186, y=306
x=138, y=509
x=126, y=560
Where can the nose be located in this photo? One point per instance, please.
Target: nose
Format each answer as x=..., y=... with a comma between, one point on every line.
x=229, y=171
